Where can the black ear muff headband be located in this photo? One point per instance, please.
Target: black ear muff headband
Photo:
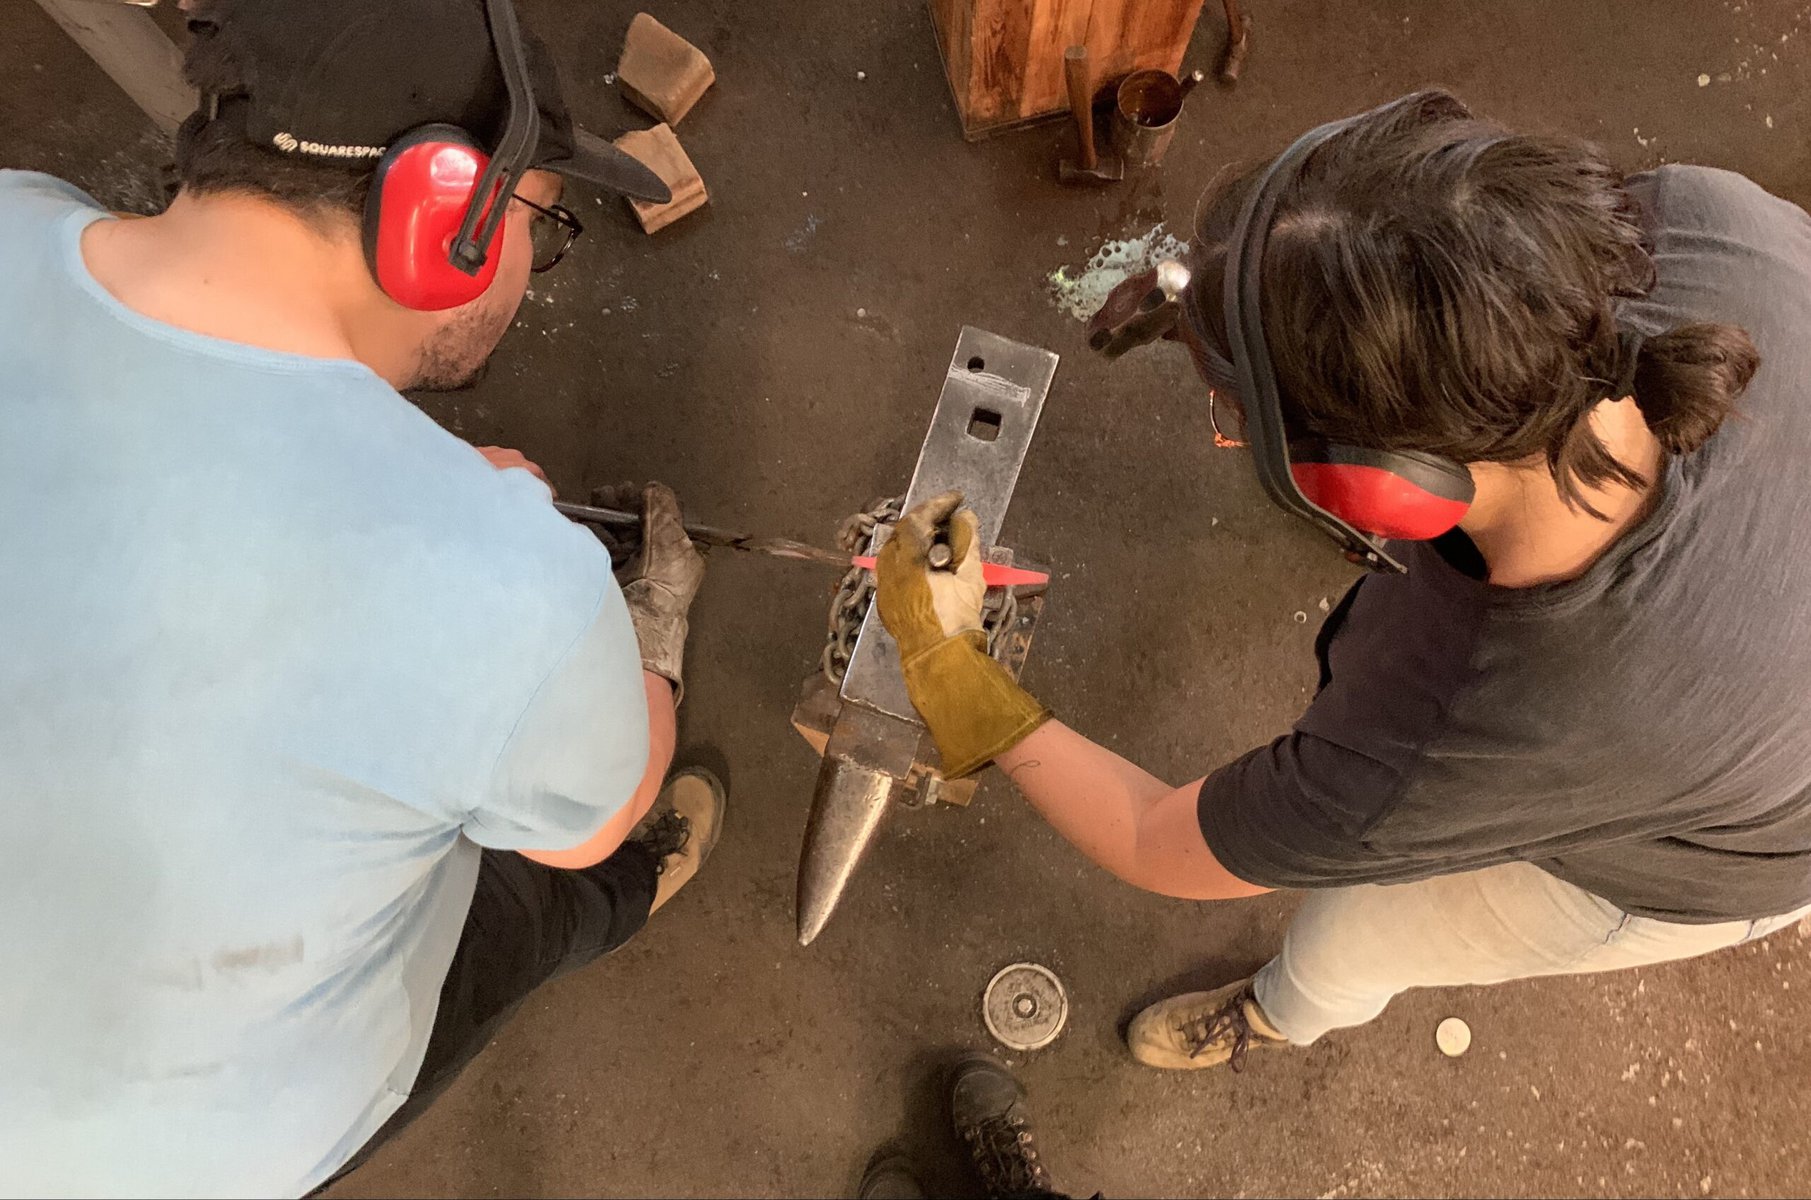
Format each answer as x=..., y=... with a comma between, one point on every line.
x=1254, y=372
x=515, y=147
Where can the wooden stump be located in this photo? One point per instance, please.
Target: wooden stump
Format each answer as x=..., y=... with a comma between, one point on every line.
x=1004, y=58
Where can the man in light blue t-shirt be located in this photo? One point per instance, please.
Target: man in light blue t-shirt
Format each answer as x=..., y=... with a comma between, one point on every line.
x=323, y=739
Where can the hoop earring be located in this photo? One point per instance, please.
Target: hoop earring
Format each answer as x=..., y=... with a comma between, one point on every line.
x=1220, y=439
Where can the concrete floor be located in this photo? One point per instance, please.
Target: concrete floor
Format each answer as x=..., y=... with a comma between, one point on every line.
x=775, y=358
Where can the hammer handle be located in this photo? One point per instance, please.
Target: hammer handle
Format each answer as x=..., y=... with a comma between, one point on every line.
x=1081, y=102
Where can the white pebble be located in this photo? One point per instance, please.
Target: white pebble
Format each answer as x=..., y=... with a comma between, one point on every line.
x=1453, y=1036
x=1703, y=81
x=861, y=74
x=861, y=312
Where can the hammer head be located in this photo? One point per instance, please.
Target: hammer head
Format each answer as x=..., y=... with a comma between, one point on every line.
x=1107, y=169
x=1142, y=309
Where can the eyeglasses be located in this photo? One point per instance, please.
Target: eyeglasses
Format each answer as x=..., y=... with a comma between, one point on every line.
x=552, y=231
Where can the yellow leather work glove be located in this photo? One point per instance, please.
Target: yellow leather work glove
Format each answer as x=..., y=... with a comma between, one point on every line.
x=973, y=707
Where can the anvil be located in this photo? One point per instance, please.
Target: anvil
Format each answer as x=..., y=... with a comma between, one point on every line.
x=875, y=747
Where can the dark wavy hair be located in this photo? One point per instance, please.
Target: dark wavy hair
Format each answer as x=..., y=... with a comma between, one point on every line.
x=1435, y=282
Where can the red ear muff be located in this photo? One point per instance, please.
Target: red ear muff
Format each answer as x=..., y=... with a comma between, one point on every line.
x=1394, y=494
x=419, y=196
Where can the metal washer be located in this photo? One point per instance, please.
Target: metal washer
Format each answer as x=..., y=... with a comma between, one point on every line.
x=1025, y=1006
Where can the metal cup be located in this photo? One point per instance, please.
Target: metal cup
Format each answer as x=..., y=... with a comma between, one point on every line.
x=1145, y=112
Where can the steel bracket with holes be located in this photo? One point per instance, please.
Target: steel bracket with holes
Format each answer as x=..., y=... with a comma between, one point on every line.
x=875, y=749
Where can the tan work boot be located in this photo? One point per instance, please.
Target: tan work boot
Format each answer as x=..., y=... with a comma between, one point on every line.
x=1201, y=1029
x=681, y=828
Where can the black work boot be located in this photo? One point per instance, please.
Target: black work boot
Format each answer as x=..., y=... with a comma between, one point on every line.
x=989, y=1110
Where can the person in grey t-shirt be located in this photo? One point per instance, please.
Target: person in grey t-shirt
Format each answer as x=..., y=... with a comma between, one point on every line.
x=1576, y=734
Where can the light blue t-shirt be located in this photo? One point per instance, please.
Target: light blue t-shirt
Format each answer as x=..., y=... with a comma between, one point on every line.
x=277, y=656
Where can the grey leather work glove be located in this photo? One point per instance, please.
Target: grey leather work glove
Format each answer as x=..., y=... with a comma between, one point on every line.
x=659, y=577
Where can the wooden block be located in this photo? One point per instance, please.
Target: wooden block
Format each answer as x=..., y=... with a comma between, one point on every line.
x=816, y=712
x=660, y=72
x=661, y=151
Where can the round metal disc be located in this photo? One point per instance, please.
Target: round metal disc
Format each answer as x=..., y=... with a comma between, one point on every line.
x=1453, y=1037
x=1025, y=1006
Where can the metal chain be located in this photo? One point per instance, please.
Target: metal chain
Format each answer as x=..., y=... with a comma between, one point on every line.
x=856, y=592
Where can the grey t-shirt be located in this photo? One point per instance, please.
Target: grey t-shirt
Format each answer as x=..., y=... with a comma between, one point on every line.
x=1642, y=731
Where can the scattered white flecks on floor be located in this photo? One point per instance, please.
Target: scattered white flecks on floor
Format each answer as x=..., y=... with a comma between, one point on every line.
x=798, y=238
x=1079, y=292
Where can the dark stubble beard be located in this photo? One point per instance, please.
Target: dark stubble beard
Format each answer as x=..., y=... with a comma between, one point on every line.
x=456, y=356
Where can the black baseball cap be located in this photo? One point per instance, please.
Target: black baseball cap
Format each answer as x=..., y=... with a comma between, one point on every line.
x=339, y=80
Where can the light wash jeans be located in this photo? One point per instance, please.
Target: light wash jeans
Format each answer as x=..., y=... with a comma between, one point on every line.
x=1350, y=950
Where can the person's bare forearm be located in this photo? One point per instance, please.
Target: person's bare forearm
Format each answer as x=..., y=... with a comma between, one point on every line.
x=1092, y=796
x=662, y=734
x=1121, y=816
